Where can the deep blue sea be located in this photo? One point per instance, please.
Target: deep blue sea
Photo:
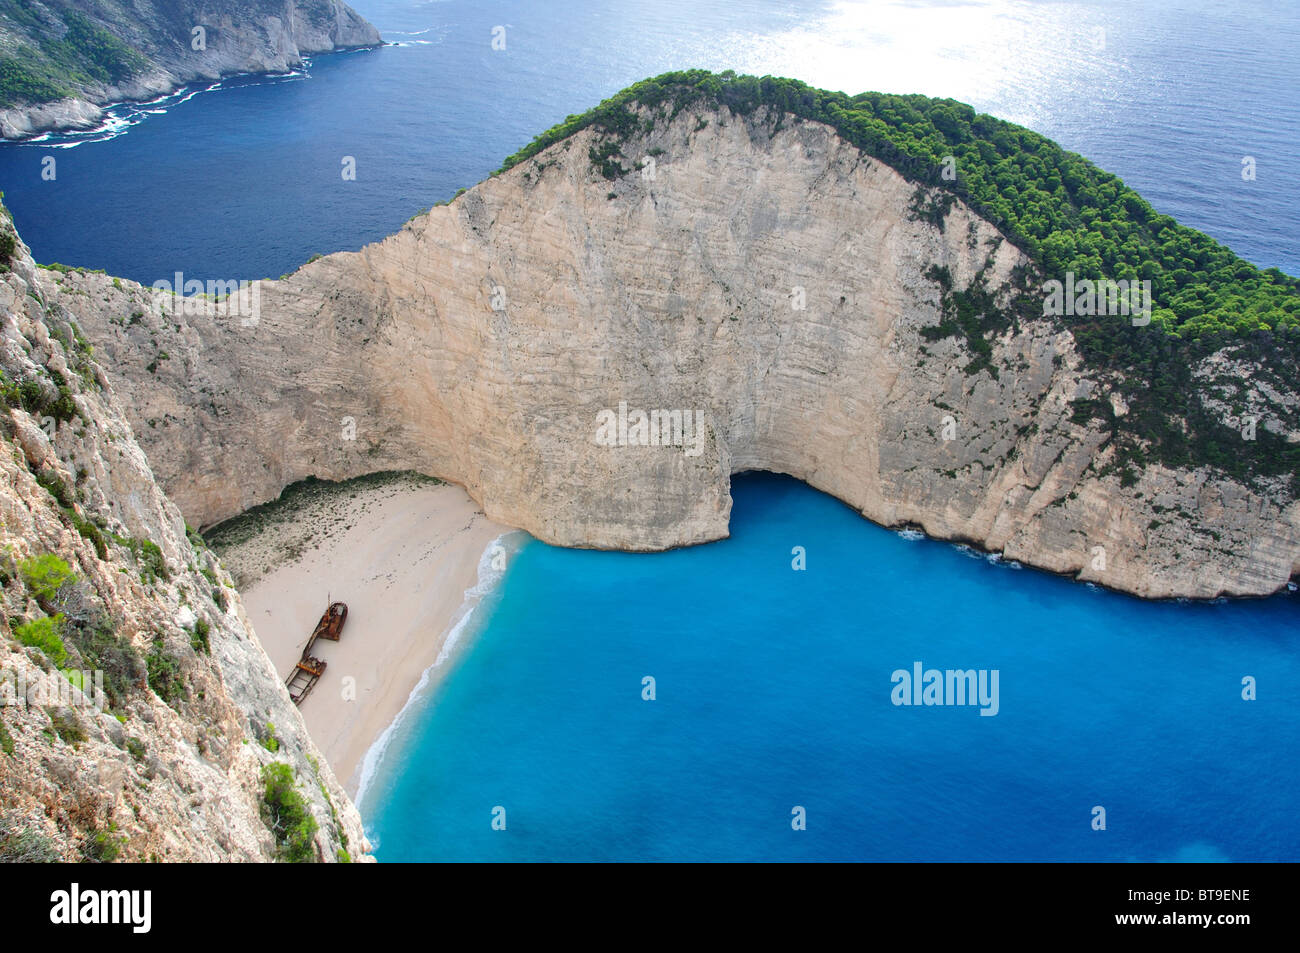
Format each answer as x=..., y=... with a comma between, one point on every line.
x=773, y=686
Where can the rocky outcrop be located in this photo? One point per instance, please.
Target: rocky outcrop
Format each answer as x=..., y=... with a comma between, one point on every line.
x=166, y=45
x=164, y=754
x=760, y=271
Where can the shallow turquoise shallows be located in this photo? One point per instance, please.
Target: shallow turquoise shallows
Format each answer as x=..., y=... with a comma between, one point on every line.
x=773, y=691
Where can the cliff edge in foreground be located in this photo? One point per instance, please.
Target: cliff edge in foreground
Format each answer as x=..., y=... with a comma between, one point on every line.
x=806, y=306
x=185, y=746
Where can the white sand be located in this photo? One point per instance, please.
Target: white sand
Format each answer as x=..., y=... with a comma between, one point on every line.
x=401, y=556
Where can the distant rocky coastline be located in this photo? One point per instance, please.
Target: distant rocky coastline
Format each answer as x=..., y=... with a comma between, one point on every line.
x=62, y=65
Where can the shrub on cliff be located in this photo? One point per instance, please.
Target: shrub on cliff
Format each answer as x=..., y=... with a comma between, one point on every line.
x=103, y=846
x=67, y=726
x=102, y=648
x=88, y=531
x=153, y=565
x=45, y=576
x=39, y=399
x=285, y=812
x=46, y=634
x=52, y=483
x=164, y=674
x=200, y=638
x=22, y=843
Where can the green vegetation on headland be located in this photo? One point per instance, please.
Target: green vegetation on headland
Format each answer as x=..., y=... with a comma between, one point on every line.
x=1063, y=211
x=55, y=68
x=1067, y=215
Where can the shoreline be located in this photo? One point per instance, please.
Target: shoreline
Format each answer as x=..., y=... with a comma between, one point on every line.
x=406, y=554
x=452, y=640
x=65, y=122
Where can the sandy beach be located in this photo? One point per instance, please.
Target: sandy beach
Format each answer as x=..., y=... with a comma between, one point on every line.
x=401, y=552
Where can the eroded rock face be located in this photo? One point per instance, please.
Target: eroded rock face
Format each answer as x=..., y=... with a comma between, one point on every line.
x=141, y=777
x=761, y=272
x=254, y=36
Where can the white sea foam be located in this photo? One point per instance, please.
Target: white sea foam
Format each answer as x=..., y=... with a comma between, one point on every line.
x=488, y=579
x=118, y=118
x=911, y=534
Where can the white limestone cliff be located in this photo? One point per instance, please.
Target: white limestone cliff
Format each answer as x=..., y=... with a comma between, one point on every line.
x=481, y=342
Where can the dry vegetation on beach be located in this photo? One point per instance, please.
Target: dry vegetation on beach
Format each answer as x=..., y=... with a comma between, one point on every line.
x=307, y=514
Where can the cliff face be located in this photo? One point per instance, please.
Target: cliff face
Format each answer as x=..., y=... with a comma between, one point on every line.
x=97, y=573
x=759, y=271
x=75, y=56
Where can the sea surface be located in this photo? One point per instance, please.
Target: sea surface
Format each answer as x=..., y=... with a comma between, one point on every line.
x=772, y=685
x=773, y=691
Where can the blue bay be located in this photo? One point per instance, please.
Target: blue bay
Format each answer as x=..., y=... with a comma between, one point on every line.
x=773, y=690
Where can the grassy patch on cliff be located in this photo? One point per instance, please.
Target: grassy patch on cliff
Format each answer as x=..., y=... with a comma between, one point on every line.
x=164, y=674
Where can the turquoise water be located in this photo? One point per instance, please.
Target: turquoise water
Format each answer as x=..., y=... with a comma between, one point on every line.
x=773, y=690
